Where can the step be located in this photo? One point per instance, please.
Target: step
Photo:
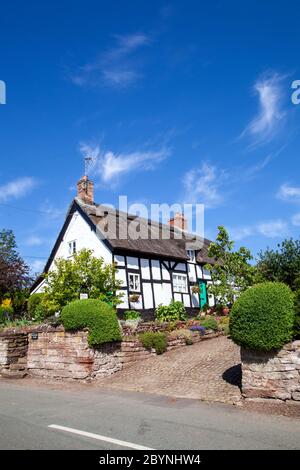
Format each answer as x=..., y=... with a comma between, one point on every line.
x=13, y=374
x=17, y=366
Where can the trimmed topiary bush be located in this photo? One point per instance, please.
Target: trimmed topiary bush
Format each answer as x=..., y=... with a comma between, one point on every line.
x=99, y=317
x=157, y=341
x=263, y=316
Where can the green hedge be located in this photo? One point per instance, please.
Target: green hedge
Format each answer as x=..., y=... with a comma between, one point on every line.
x=155, y=340
x=99, y=317
x=263, y=316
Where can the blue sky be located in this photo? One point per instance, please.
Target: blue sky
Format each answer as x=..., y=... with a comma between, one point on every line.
x=180, y=102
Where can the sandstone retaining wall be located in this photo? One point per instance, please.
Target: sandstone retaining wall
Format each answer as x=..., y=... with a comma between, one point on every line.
x=272, y=374
x=67, y=355
x=13, y=352
x=54, y=353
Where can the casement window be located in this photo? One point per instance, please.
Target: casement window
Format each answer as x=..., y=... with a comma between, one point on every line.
x=134, y=282
x=180, y=282
x=191, y=255
x=72, y=247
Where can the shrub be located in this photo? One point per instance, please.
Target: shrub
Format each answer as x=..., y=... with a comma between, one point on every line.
x=172, y=312
x=209, y=323
x=33, y=302
x=99, y=317
x=200, y=329
x=296, y=332
x=6, y=313
x=224, y=325
x=39, y=307
x=263, y=316
x=82, y=273
x=157, y=341
x=182, y=333
x=132, y=315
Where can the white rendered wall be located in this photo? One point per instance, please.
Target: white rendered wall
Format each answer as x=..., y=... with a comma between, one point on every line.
x=155, y=269
x=79, y=230
x=145, y=268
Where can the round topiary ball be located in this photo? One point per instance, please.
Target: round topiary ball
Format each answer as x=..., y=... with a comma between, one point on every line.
x=99, y=317
x=262, y=318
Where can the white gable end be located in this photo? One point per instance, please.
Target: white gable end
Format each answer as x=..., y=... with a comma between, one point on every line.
x=80, y=232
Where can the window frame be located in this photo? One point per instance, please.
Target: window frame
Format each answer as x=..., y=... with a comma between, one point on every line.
x=138, y=278
x=72, y=248
x=175, y=285
x=191, y=255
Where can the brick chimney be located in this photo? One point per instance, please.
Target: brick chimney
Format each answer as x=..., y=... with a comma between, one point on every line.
x=85, y=190
x=178, y=221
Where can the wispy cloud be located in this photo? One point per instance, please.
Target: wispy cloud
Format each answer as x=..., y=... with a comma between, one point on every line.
x=109, y=165
x=17, y=188
x=202, y=185
x=269, y=229
x=117, y=67
x=289, y=193
x=34, y=240
x=296, y=219
x=270, y=114
x=273, y=228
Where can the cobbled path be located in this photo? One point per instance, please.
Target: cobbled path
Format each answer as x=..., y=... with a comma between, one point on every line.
x=209, y=370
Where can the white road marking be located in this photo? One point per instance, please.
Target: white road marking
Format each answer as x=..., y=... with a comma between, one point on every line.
x=99, y=437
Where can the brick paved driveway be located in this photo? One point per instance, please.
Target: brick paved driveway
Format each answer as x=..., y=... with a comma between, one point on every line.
x=209, y=370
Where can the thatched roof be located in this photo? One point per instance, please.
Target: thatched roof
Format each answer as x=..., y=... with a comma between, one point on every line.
x=125, y=232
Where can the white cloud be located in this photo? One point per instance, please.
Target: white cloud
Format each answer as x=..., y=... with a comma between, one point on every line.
x=296, y=220
x=120, y=78
x=273, y=228
x=289, y=193
x=109, y=165
x=270, y=114
x=239, y=233
x=269, y=229
x=34, y=240
x=16, y=188
x=116, y=67
x=202, y=185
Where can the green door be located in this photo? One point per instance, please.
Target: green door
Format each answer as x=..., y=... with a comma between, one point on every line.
x=202, y=293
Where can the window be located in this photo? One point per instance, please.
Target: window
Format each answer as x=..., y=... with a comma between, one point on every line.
x=72, y=247
x=134, y=282
x=191, y=255
x=180, y=282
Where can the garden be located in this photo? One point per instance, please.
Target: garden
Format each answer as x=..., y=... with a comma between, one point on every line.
x=257, y=305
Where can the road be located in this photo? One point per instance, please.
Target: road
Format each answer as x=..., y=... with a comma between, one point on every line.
x=107, y=420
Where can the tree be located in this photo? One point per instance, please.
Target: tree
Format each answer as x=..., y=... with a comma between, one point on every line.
x=14, y=272
x=281, y=265
x=84, y=273
x=232, y=273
